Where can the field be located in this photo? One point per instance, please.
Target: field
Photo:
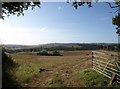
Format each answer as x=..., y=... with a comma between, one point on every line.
x=73, y=69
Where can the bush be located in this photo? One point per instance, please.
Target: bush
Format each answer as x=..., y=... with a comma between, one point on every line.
x=8, y=65
x=43, y=53
x=56, y=53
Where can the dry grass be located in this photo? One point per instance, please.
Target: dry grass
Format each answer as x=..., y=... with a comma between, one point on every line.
x=52, y=71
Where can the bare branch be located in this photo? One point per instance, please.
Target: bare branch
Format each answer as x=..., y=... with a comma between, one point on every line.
x=112, y=6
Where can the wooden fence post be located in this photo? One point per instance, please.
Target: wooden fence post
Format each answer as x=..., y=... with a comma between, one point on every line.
x=113, y=79
x=92, y=58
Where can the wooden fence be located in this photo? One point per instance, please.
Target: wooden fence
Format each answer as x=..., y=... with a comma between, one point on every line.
x=105, y=64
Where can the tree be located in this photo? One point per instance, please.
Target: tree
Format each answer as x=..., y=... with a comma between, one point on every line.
x=116, y=21
x=17, y=8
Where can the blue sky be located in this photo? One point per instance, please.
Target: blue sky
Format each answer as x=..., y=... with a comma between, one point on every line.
x=60, y=23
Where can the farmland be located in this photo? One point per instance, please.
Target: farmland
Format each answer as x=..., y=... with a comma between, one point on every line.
x=73, y=69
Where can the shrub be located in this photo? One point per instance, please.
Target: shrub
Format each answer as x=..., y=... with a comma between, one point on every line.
x=8, y=65
x=43, y=53
x=56, y=53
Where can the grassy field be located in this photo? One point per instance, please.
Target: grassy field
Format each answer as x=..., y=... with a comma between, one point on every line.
x=73, y=69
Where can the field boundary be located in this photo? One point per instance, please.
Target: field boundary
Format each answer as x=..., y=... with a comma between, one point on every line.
x=106, y=65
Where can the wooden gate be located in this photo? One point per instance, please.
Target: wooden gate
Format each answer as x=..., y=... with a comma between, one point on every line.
x=105, y=63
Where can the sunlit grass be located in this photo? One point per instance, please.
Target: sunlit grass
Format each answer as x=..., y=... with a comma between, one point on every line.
x=92, y=78
x=25, y=72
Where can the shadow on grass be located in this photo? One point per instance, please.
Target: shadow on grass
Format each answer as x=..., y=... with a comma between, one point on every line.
x=7, y=65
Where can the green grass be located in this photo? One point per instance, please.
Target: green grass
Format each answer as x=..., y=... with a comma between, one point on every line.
x=56, y=81
x=27, y=53
x=26, y=72
x=92, y=78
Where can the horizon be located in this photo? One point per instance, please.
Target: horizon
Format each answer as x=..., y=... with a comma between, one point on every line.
x=58, y=43
x=60, y=23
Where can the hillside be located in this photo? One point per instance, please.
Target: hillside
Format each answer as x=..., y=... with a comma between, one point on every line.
x=57, y=46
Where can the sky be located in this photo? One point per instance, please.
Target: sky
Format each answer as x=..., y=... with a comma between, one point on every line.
x=60, y=22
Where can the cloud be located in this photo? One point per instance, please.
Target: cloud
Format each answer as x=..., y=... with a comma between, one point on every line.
x=43, y=29
x=59, y=8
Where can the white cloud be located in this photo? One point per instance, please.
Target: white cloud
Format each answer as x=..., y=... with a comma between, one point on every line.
x=59, y=8
x=43, y=29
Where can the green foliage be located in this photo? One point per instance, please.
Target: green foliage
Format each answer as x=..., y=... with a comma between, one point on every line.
x=82, y=47
x=116, y=21
x=92, y=78
x=110, y=47
x=56, y=53
x=45, y=53
x=76, y=3
x=18, y=8
x=14, y=74
x=8, y=65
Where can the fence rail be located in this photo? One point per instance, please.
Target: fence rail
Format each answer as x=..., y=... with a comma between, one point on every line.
x=105, y=64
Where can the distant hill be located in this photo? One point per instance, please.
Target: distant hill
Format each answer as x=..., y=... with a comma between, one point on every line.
x=9, y=46
x=59, y=44
x=56, y=46
x=13, y=46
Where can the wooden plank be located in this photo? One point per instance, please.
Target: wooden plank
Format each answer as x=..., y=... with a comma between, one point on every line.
x=99, y=68
x=101, y=73
x=106, y=67
x=101, y=57
x=118, y=79
x=109, y=74
x=112, y=79
x=104, y=62
x=109, y=53
x=98, y=52
x=108, y=70
x=105, y=58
